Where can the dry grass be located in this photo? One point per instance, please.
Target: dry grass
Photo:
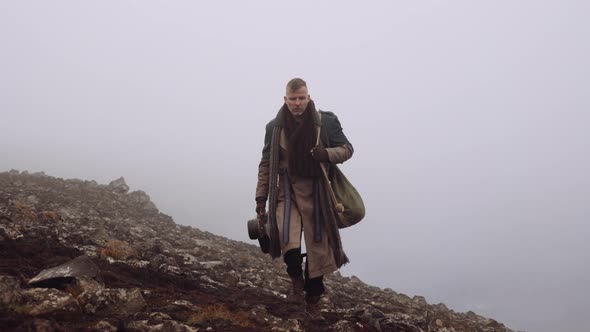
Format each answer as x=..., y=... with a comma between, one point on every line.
x=74, y=290
x=49, y=216
x=119, y=250
x=243, y=259
x=30, y=214
x=220, y=312
x=26, y=210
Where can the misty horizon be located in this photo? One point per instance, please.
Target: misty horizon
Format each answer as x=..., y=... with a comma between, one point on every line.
x=469, y=123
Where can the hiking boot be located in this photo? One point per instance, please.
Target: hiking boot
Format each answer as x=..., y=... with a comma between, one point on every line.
x=297, y=286
x=313, y=309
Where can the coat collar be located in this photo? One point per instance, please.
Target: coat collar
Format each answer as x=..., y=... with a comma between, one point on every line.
x=310, y=108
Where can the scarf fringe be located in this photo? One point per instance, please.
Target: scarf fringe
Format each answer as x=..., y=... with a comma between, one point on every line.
x=275, y=245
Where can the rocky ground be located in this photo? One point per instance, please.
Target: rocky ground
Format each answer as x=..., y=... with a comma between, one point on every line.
x=79, y=256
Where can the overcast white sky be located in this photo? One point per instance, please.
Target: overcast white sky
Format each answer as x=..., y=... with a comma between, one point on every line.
x=470, y=122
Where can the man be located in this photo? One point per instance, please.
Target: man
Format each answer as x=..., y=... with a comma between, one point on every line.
x=291, y=178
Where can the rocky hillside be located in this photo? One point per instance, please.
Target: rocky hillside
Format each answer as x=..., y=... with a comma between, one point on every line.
x=79, y=256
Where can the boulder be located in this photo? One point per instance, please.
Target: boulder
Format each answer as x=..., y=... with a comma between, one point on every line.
x=81, y=266
x=142, y=199
x=119, y=186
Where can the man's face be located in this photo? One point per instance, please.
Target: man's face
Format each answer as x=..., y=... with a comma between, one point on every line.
x=297, y=101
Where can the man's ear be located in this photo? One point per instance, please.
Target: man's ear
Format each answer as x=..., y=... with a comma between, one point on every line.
x=285, y=98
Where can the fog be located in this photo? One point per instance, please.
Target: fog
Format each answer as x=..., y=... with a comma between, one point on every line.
x=470, y=123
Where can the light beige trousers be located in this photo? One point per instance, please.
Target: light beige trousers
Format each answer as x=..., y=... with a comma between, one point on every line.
x=320, y=258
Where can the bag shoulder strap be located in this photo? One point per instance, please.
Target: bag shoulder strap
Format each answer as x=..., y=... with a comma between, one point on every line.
x=317, y=142
x=337, y=206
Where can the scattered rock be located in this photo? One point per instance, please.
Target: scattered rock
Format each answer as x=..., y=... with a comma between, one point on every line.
x=172, y=326
x=210, y=265
x=183, y=304
x=116, y=302
x=9, y=290
x=347, y=326
x=41, y=325
x=87, y=284
x=32, y=200
x=42, y=301
x=190, y=279
x=142, y=325
x=159, y=317
x=104, y=326
x=160, y=259
x=9, y=232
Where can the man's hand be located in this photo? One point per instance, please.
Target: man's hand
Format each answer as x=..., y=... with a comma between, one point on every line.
x=320, y=153
x=260, y=205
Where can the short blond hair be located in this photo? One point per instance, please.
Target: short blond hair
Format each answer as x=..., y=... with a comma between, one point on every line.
x=296, y=84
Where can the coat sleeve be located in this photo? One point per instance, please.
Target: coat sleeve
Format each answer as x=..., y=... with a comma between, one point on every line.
x=264, y=165
x=339, y=148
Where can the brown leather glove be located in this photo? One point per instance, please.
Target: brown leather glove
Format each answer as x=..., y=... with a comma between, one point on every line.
x=260, y=205
x=320, y=153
